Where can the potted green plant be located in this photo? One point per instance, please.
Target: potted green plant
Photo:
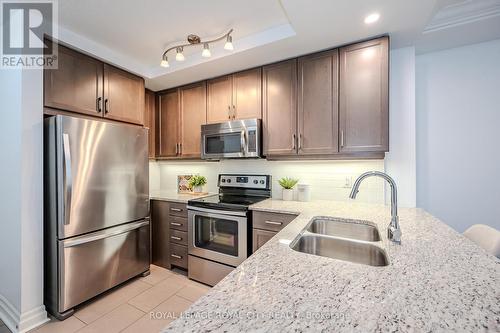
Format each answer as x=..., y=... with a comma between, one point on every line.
x=196, y=183
x=288, y=184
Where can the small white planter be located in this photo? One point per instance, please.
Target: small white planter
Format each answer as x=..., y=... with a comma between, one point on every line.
x=287, y=194
x=197, y=189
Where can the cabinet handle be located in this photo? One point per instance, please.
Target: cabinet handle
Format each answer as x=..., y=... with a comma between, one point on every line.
x=234, y=112
x=180, y=148
x=176, y=224
x=342, y=139
x=176, y=209
x=229, y=112
x=99, y=99
x=176, y=256
x=175, y=238
x=273, y=222
x=293, y=141
x=106, y=106
x=300, y=141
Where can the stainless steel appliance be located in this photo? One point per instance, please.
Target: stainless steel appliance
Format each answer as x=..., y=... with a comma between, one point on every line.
x=96, y=209
x=231, y=139
x=220, y=226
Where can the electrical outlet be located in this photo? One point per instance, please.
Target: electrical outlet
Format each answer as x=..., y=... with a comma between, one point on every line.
x=348, y=182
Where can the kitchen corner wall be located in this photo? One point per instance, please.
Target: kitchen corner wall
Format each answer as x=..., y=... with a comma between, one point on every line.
x=329, y=180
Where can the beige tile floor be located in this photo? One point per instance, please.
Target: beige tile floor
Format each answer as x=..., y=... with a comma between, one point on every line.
x=128, y=308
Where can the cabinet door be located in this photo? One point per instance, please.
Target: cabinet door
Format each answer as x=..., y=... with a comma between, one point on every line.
x=193, y=104
x=123, y=95
x=318, y=103
x=219, y=99
x=247, y=92
x=260, y=237
x=76, y=85
x=279, y=89
x=160, y=234
x=364, y=110
x=168, y=134
x=149, y=120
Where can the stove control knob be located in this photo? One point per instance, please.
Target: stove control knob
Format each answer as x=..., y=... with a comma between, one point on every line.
x=262, y=181
x=255, y=181
x=223, y=180
x=229, y=180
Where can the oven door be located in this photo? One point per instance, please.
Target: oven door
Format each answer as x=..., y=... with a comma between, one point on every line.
x=217, y=235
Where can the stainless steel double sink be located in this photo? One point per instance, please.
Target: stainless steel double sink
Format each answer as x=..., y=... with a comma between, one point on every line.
x=348, y=240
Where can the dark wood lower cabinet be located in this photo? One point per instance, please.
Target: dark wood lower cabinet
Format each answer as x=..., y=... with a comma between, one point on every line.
x=266, y=225
x=169, y=234
x=260, y=237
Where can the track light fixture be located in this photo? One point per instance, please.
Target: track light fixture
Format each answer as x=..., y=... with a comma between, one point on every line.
x=194, y=40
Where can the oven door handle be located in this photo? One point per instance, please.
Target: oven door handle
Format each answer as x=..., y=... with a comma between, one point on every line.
x=216, y=211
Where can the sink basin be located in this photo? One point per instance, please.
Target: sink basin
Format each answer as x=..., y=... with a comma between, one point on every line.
x=342, y=249
x=344, y=228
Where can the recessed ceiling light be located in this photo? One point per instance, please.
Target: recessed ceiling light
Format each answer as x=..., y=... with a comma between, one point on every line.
x=372, y=18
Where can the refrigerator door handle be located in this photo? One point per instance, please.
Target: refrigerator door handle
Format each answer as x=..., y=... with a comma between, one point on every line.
x=68, y=180
x=104, y=234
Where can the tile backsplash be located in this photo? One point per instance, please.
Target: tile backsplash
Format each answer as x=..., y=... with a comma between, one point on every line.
x=329, y=180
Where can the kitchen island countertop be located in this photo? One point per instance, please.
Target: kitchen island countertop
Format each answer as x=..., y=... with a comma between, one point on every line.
x=436, y=280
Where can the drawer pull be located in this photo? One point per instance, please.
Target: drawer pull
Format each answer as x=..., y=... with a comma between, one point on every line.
x=175, y=238
x=273, y=222
x=176, y=209
x=176, y=224
x=176, y=256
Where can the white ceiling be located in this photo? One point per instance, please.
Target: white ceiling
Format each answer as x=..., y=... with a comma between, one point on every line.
x=133, y=34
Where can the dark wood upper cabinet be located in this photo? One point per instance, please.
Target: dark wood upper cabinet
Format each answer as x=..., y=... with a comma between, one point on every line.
x=364, y=97
x=150, y=121
x=247, y=91
x=219, y=99
x=123, y=95
x=318, y=103
x=88, y=86
x=76, y=85
x=235, y=96
x=279, y=92
x=193, y=112
x=168, y=124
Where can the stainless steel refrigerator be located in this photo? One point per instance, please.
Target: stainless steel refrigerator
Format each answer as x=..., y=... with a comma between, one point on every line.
x=96, y=208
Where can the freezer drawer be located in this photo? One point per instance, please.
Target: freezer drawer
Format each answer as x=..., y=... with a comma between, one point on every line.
x=93, y=263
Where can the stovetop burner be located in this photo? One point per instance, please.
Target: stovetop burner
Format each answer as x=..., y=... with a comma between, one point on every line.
x=236, y=192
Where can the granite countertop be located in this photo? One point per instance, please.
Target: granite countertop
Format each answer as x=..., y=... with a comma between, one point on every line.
x=437, y=280
x=173, y=196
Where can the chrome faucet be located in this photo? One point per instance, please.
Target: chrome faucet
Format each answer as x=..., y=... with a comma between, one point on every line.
x=393, y=231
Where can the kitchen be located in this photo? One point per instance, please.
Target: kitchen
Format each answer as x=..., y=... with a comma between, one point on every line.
x=282, y=167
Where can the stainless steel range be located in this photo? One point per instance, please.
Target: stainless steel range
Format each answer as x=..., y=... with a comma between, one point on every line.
x=219, y=226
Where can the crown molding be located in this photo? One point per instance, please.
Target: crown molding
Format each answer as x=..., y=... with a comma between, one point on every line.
x=464, y=12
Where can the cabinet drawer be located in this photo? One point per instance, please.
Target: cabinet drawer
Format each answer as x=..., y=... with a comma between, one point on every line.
x=178, y=255
x=271, y=221
x=178, y=237
x=177, y=209
x=177, y=223
x=260, y=237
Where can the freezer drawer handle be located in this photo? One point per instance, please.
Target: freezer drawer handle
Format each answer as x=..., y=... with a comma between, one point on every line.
x=103, y=234
x=68, y=180
x=176, y=256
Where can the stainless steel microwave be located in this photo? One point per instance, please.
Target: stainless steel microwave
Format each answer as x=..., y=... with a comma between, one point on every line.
x=231, y=139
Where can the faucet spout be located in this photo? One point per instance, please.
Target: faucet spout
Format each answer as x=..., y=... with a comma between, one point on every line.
x=393, y=230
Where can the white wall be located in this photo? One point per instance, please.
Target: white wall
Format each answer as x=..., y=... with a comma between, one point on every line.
x=458, y=134
x=327, y=178
x=400, y=161
x=21, y=199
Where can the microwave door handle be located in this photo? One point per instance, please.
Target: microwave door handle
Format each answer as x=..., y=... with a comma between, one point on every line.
x=242, y=142
x=67, y=180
